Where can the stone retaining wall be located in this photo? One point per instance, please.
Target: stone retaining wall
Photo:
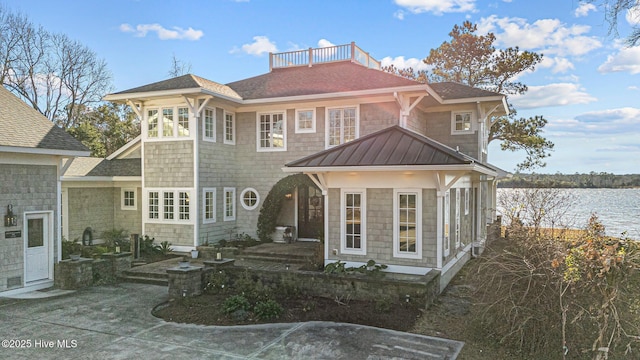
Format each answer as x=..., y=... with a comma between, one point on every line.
x=77, y=274
x=348, y=286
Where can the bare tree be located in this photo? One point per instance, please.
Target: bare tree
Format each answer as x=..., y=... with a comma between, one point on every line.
x=178, y=67
x=51, y=72
x=615, y=8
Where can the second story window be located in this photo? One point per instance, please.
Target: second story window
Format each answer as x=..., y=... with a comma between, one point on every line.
x=229, y=128
x=209, y=124
x=305, y=121
x=168, y=123
x=462, y=122
x=272, y=131
x=342, y=125
x=152, y=119
x=183, y=122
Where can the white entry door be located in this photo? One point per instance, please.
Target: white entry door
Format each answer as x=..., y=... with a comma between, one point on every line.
x=37, y=240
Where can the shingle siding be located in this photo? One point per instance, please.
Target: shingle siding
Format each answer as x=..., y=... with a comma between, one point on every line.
x=91, y=207
x=439, y=128
x=27, y=188
x=168, y=164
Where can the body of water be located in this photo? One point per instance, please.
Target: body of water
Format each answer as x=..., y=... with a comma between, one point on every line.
x=617, y=209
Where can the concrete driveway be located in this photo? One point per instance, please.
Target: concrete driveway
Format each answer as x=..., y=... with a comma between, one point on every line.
x=115, y=322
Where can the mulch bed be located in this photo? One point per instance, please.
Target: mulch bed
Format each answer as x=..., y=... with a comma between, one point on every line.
x=207, y=310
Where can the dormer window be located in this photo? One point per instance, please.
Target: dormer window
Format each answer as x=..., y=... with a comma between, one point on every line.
x=462, y=122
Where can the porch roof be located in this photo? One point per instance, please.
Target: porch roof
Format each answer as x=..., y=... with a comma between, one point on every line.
x=393, y=147
x=98, y=167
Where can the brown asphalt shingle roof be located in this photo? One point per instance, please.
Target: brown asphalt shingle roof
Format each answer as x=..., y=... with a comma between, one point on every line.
x=318, y=79
x=188, y=81
x=452, y=90
x=388, y=147
x=23, y=126
x=87, y=166
x=341, y=76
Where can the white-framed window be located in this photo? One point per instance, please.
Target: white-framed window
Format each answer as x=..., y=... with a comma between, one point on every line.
x=152, y=121
x=183, y=205
x=305, y=120
x=446, y=236
x=458, y=219
x=271, y=131
x=209, y=124
x=229, y=128
x=129, y=199
x=183, y=121
x=208, y=205
x=407, y=224
x=462, y=122
x=342, y=125
x=168, y=122
x=249, y=198
x=229, y=204
x=353, y=224
x=154, y=205
x=466, y=201
x=168, y=205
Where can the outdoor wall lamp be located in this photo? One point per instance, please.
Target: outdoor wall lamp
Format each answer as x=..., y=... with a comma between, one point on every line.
x=288, y=196
x=10, y=219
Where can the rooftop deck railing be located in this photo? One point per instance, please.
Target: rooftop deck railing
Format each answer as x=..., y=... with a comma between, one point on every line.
x=329, y=54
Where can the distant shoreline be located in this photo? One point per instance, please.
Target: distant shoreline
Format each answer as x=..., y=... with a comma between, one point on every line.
x=592, y=180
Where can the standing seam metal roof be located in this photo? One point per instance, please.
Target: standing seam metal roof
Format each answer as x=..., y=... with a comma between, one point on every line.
x=388, y=147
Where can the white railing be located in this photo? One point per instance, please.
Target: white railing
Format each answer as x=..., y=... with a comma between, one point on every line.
x=329, y=54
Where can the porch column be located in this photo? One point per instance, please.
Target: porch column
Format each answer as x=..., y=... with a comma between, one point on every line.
x=439, y=230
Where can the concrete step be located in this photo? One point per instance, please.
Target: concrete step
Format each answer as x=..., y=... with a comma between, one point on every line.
x=146, y=274
x=145, y=280
x=278, y=258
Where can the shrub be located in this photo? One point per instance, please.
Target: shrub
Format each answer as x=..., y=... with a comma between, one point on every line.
x=217, y=282
x=70, y=247
x=547, y=295
x=114, y=237
x=267, y=310
x=165, y=248
x=236, y=303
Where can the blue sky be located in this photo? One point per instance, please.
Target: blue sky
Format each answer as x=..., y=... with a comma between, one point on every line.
x=588, y=85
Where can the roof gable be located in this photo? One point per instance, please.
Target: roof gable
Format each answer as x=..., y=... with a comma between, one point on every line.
x=25, y=127
x=392, y=146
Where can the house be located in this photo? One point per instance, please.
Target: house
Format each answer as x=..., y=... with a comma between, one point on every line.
x=32, y=153
x=398, y=169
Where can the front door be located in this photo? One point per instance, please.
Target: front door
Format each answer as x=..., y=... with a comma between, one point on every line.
x=37, y=241
x=310, y=212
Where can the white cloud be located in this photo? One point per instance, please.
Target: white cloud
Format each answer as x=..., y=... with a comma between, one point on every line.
x=260, y=45
x=633, y=87
x=175, y=33
x=437, y=7
x=633, y=15
x=558, y=94
x=556, y=64
x=625, y=60
x=401, y=63
x=549, y=36
x=583, y=9
x=323, y=43
x=611, y=121
x=399, y=15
